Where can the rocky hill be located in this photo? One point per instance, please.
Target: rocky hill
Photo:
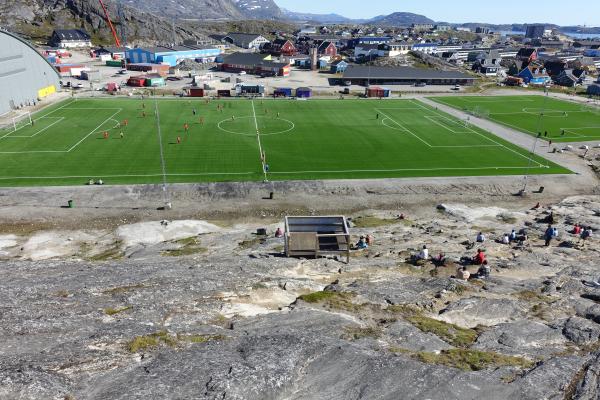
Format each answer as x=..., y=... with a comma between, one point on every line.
x=401, y=19
x=210, y=9
x=37, y=19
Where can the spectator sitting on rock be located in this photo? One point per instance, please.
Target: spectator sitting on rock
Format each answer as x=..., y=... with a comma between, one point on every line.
x=505, y=239
x=480, y=237
x=279, y=233
x=424, y=253
x=577, y=230
x=370, y=240
x=479, y=258
x=548, y=235
x=439, y=260
x=484, y=271
x=512, y=236
x=463, y=273
x=362, y=243
x=586, y=234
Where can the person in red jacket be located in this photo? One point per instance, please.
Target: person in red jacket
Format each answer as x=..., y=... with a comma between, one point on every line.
x=479, y=258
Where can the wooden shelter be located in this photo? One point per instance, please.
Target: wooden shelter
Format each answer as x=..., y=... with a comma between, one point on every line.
x=317, y=236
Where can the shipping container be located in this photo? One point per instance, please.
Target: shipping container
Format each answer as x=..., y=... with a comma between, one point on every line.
x=137, y=81
x=304, y=92
x=154, y=81
x=114, y=63
x=195, y=92
x=283, y=92
x=92, y=76
x=112, y=87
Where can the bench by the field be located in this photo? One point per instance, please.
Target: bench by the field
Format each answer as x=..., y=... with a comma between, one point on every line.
x=317, y=236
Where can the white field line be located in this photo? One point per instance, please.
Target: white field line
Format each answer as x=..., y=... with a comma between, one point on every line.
x=398, y=108
x=94, y=131
x=485, y=137
x=52, y=124
x=402, y=126
x=121, y=176
x=432, y=119
x=403, y=169
x=432, y=146
x=476, y=99
x=72, y=147
x=260, y=149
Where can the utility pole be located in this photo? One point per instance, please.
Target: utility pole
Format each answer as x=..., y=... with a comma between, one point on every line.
x=535, y=142
x=166, y=198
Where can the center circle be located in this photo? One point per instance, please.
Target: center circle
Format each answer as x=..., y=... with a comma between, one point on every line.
x=267, y=125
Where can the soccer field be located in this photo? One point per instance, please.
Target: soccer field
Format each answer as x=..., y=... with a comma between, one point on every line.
x=562, y=120
x=316, y=139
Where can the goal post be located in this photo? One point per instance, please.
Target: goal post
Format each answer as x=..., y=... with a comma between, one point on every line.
x=14, y=123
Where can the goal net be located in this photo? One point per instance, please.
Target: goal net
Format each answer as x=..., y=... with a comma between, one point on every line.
x=480, y=112
x=14, y=123
x=591, y=109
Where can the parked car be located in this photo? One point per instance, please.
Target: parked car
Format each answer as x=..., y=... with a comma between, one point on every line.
x=420, y=84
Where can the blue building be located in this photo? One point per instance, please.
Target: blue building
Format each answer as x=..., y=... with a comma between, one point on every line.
x=337, y=67
x=369, y=40
x=534, y=75
x=172, y=55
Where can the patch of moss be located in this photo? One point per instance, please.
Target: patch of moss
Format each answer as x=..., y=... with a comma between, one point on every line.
x=189, y=246
x=472, y=360
x=333, y=300
x=185, y=251
x=199, y=338
x=372, y=222
x=114, y=311
x=114, y=253
x=453, y=334
x=249, y=243
x=123, y=289
x=532, y=296
x=153, y=340
x=356, y=333
x=62, y=293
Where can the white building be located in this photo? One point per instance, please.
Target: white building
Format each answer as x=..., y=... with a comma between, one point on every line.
x=70, y=38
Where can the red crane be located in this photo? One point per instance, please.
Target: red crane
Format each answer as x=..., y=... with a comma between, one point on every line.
x=112, y=28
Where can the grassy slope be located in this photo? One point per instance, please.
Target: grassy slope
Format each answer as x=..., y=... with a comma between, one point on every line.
x=522, y=113
x=329, y=139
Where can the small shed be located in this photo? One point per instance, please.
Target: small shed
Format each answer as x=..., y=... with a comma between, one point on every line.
x=92, y=76
x=112, y=87
x=317, y=236
x=376, y=91
x=137, y=81
x=304, y=92
x=283, y=92
x=195, y=92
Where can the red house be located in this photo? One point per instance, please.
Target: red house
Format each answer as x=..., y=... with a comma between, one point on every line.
x=282, y=47
x=327, y=49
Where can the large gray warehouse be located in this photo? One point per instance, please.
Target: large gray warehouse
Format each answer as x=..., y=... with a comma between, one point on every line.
x=25, y=75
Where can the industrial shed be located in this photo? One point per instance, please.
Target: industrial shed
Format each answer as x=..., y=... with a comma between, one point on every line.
x=364, y=75
x=25, y=75
x=317, y=236
x=172, y=55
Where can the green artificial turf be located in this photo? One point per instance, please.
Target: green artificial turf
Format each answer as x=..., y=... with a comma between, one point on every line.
x=556, y=120
x=315, y=139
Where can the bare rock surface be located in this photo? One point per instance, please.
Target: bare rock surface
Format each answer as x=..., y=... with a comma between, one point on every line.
x=150, y=308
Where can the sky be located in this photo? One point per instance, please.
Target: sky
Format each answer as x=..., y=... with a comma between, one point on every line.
x=496, y=12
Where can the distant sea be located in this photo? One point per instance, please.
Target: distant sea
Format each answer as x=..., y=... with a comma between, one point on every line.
x=574, y=35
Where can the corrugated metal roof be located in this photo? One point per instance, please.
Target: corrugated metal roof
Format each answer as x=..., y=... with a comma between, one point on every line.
x=365, y=72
